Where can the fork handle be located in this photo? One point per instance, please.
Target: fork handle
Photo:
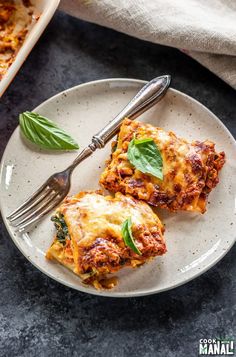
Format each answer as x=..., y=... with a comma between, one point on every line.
x=148, y=96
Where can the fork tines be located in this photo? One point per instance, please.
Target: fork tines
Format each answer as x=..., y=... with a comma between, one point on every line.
x=35, y=207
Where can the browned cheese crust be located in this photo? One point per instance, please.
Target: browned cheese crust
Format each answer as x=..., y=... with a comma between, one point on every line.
x=190, y=169
x=96, y=247
x=15, y=19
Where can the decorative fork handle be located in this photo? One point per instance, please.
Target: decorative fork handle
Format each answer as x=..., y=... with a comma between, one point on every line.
x=148, y=96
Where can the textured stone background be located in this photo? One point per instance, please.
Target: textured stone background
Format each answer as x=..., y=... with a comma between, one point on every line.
x=39, y=317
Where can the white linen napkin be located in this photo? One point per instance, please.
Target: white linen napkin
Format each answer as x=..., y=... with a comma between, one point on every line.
x=204, y=29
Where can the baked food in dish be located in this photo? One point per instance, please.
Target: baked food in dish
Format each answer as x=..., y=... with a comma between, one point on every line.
x=15, y=18
x=190, y=169
x=89, y=235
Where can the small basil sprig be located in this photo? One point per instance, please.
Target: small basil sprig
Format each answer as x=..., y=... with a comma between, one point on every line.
x=45, y=133
x=146, y=157
x=127, y=236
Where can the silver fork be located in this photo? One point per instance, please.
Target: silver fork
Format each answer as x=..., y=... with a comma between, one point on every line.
x=55, y=189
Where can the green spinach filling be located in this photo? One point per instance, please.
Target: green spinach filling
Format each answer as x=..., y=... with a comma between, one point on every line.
x=61, y=227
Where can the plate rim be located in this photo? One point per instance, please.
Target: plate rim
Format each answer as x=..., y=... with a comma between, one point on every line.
x=110, y=293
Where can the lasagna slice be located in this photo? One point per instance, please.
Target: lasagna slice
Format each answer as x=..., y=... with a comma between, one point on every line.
x=89, y=238
x=190, y=169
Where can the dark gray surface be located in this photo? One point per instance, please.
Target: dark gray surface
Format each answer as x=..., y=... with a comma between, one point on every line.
x=39, y=317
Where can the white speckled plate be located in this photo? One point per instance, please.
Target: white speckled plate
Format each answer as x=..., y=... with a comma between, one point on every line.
x=195, y=242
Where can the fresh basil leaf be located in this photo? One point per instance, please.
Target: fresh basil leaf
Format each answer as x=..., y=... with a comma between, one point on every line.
x=45, y=133
x=146, y=157
x=127, y=236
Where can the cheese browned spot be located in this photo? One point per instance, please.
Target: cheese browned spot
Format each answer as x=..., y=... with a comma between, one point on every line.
x=16, y=16
x=93, y=246
x=190, y=169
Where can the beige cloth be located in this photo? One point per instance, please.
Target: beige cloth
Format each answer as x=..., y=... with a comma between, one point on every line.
x=204, y=29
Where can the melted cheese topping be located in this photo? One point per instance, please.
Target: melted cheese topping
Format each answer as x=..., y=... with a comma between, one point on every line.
x=190, y=169
x=94, y=223
x=15, y=18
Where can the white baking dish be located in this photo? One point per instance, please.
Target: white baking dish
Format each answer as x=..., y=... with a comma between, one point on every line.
x=46, y=9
